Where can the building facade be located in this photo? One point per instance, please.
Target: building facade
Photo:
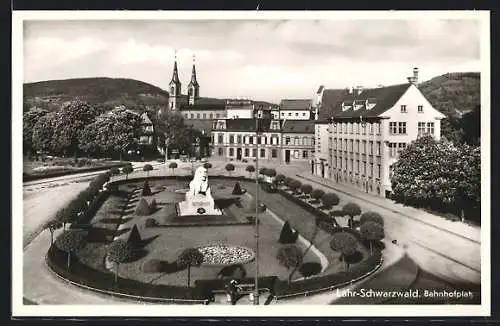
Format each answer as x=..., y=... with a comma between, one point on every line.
x=367, y=131
x=296, y=109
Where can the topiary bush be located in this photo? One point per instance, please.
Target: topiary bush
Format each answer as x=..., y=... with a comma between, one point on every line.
x=317, y=194
x=271, y=173
x=372, y=231
x=330, y=199
x=288, y=181
x=172, y=166
x=280, y=178
x=287, y=235
x=146, y=190
x=152, y=266
x=120, y=251
x=114, y=171
x=151, y=223
x=134, y=237
x=351, y=209
x=152, y=206
x=229, y=168
x=142, y=208
x=207, y=165
x=344, y=242
x=263, y=171
x=290, y=256
x=190, y=257
x=250, y=169
x=306, y=189
x=70, y=242
x=310, y=269
x=371, y=216
x=147, y=167
x=127, y=169
x=237, y=189
x=295, y=185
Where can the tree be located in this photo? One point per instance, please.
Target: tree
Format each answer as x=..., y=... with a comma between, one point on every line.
x=70, y=242
x=330, y=199
x=52, y=226
x=207, y=165
x=295, y=185
x=229, y=168
x=250, y=169
x=290, y=256
x=306, y=189
x=65, y=215
x=112, y=132
x=146, y=190
x=310, y=269
x=172, y=166
x=147, y=168
x=344, y=242
x=270, y=173
x=280, y=178
x=317, y=194
x=30, y=118
x=172, y=129
x=127, y=169
x=120, y=251
x=372, y=231
x=43, y=133
x=114, y=171
x=471, y=125
x=263, y=171
x=371, y=216
x=69, y=123
x=190, y=257
x=351, y=209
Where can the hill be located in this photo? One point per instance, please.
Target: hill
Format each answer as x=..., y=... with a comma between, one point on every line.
x=452, y=91
x=103, y=91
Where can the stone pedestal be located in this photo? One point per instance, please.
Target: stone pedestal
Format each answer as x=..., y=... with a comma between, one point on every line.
x=198, y=205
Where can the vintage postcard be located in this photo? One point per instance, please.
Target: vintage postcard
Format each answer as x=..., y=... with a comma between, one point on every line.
x=308, y=163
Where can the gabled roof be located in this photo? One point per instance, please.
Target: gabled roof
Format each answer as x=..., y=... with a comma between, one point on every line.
x=320, y=89
x=247, y=124
x=329, y=102
x=146, y=119
x=298, y=126
x=298, y=104
x=202, y=107
x=385, y=98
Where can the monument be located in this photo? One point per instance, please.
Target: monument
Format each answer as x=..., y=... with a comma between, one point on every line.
x=199, y=200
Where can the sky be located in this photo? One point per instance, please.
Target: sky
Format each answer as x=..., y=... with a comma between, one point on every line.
x=257, y=59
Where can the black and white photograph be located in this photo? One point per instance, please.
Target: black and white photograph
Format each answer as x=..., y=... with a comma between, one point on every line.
x=310, y=163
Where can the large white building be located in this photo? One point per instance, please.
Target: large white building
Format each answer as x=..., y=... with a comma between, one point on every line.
x=360, y=136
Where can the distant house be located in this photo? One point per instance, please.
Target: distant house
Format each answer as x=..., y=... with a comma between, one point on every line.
x=295, y=109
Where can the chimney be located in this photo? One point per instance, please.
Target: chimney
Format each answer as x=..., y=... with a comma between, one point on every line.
x=359, y=89
x=414, y=79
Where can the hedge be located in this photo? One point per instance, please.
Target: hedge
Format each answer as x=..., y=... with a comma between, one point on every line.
x=87, y=276
x=33, y=177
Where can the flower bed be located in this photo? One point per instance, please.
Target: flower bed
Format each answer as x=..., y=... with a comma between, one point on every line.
x=224, y=255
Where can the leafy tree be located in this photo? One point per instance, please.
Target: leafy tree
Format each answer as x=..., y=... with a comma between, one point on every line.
x=112, y=132
x=114, y=171
x=30, y=118
x=43, y=133
x=65, y=215
x=70, y=122
x=280, y=178
x=127, y=169
x=229, y=168
x=295, y=185
x=452, y=130
x=306, y=189
x=250, y=169
x=471, y=125
x=371, y=216
x=344, y=242
x=52, y=226
x=330, y=199
x=351, y=209
x=372, y=231
x=147, y=168
x=290, y=256
x=71, y=241
x=271, y=173
x=120, y=251
x=310, y=269
x=317, y=194
x=190, y=257
x=263, y=171
x=172, y=166
x=173, y=131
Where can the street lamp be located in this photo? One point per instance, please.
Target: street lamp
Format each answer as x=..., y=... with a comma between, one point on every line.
x=256, y=290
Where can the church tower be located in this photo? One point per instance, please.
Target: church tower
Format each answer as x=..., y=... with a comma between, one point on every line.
x=174, y=89
x=193, y=87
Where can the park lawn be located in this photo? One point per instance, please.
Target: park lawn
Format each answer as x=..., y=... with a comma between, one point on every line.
x=166, y=243
x=59, y=164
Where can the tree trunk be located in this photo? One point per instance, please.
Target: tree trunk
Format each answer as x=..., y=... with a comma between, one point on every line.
x=462, y=215
x=371, y=251
x=189, y=274
x=51, y=237
x=126, y=176
x=116, y=273
x=69, y=259
x=64, y=226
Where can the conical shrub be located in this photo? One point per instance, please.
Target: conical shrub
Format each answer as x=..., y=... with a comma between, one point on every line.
x=146, y=190
x=142, y=208
x=152, y=206
x=237, y=189
x=287, y=236
x=134, y=237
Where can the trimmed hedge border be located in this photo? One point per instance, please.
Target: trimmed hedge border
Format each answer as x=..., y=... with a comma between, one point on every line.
x=33, y=177
x=86, y=277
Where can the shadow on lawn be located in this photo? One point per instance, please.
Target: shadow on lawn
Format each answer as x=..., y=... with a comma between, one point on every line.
x=352, y=259
x=111, y=220
x=226, y=202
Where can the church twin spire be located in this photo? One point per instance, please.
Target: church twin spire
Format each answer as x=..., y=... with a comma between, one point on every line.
x=175, y=87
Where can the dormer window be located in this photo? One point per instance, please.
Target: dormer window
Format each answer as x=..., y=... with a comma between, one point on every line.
x=370, y=103
x=358, y=104
x=346, y=105
x=403, y=108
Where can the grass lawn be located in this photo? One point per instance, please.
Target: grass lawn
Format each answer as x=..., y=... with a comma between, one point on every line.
x=165, y=243
x=59, y=164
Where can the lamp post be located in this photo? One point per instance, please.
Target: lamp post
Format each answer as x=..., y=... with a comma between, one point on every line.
x=256, y=290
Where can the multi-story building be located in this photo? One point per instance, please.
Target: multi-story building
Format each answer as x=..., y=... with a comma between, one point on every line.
x=366, y=131
x=297, y=139
x=147, y=136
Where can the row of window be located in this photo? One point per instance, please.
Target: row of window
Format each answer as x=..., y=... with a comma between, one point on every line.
x=262, y=153
x=396, y=148
x=273, y=140
x=357, y=167
x=420, y=109
x=357, y=146
x=304, y=114
x=425, y=128
x=365, y=128
x=199, y=116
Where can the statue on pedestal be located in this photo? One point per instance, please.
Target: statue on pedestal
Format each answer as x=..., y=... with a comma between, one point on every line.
x=199, y=200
